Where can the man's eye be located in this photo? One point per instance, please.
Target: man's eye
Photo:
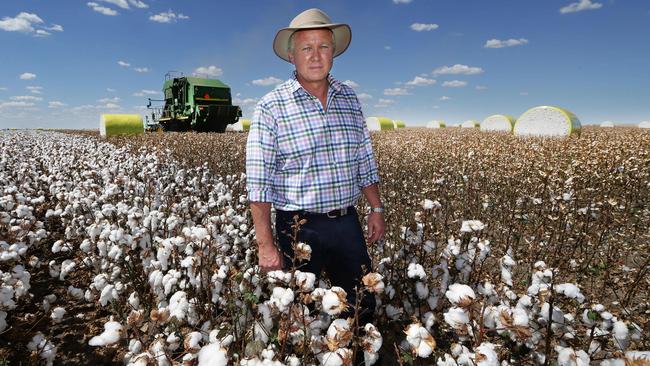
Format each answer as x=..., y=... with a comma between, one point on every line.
x=306, y=49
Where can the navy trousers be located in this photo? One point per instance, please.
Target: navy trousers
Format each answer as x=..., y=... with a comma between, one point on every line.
x=338, y=247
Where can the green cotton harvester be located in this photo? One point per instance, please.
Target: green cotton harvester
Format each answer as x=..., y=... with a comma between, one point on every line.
x=193, y=104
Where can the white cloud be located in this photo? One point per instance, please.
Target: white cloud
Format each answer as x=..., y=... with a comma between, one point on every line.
x=481, y=87
x=401, y=1
x=16, y=104
x=144, y=92
x=27, y=76
x=56, y=104
x=211, y=71
x=364, y=96
x=524, y=93
x=396, y=91
x=444, y=97
x=56, y=28
x=168, y=17
x=30, y=98
x=123, y=64
x=435, y=107
x=102, y=9
x=351, y=84
x=421, y=81
x=113, y=100
x=454, y=84
x=271, y=80
x=382, y=103
x=457, y=69
x=42, y=33
x=580, y=6
x=110, y=90
x=141, y=69
x=34, y=89
x=422, y=27
x=495, y=43
x=23, y=22
x=3, y=88
x=244, y=102
x=387, y=48
x=109, y=106
x=121, y=3
x=138, y=4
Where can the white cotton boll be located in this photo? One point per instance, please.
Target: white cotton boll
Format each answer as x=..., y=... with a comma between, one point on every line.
x=108, y=294
x=339, y=333
x=305, y=281
x=77, y=293
x=213, y=355
x=54, y=269
x=446, y=360
x=393, y=312
x=341, y=356
x=178, y=305
x=621, y=335
x=486, y=356
x=135, y=346
x=279, y=277
x=456, y=317
x=519, y=317
x=420, y=340
x=200, y=233
x=281, y=298
x=469, y=226
x=112, y=333
x=428, y=319
x=571, y=291
x=416, y=271
x=421, y=290
x=568, y=357
x=66, y=267
x=85, y=246
x=134, y=300
x=57, y=314
x=46, y=350
x=460, y=295
x=334, y=301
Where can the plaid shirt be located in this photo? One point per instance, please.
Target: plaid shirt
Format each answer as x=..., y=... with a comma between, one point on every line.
x=301, y=157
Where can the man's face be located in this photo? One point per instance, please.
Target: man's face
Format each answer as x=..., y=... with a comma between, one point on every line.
x=312, y=53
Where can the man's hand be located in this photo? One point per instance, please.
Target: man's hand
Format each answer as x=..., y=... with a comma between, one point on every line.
x=376, y=226
x=270, y=258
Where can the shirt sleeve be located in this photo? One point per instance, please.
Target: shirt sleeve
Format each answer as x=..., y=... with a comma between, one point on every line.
x=367, y=166
x=261, y=148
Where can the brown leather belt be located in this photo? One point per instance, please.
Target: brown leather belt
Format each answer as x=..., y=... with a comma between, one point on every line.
x=331, y=214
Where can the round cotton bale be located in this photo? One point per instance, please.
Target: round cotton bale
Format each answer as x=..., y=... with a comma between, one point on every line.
x=644, y=124
x=246, y=124
x=120, y=124
x=436, y=124
x=379, y=124
x=470, y=124
x=547, y=121
x=498, y=123
x=607, y=124
x=399, y=124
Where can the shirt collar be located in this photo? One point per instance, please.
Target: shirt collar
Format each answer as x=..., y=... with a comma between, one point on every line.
x=294, y=85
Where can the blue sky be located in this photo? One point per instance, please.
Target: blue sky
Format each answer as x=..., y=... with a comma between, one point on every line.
x=64, y=62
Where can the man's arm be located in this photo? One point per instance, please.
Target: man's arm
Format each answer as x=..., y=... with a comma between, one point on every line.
x=376, y=223
x=269, y=256
x=261, y=149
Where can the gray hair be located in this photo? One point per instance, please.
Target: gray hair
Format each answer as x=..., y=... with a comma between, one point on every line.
x=292, y=41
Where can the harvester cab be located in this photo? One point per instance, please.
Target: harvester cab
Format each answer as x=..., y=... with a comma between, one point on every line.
x=192, y=103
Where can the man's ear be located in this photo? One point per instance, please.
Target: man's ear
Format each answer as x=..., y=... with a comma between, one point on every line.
x=290, y=55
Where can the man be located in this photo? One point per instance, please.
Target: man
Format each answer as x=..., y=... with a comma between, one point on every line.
x=309, y=154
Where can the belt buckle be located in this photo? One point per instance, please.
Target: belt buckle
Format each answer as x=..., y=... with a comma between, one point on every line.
x=337, y=213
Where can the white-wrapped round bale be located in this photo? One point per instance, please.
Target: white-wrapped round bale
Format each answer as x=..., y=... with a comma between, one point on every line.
x=379, y=124
x=547, y=121
x=436, y=124
x=644, y=124
x=498, y=123
x=607, y=124
x=471, y=123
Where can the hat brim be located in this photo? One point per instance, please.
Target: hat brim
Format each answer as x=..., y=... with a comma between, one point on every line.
x=342, y=38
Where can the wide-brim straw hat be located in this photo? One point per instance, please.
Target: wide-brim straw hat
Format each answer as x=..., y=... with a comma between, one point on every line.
x=312, y=19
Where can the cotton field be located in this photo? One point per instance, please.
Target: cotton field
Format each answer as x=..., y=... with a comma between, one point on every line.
x=500, y=250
